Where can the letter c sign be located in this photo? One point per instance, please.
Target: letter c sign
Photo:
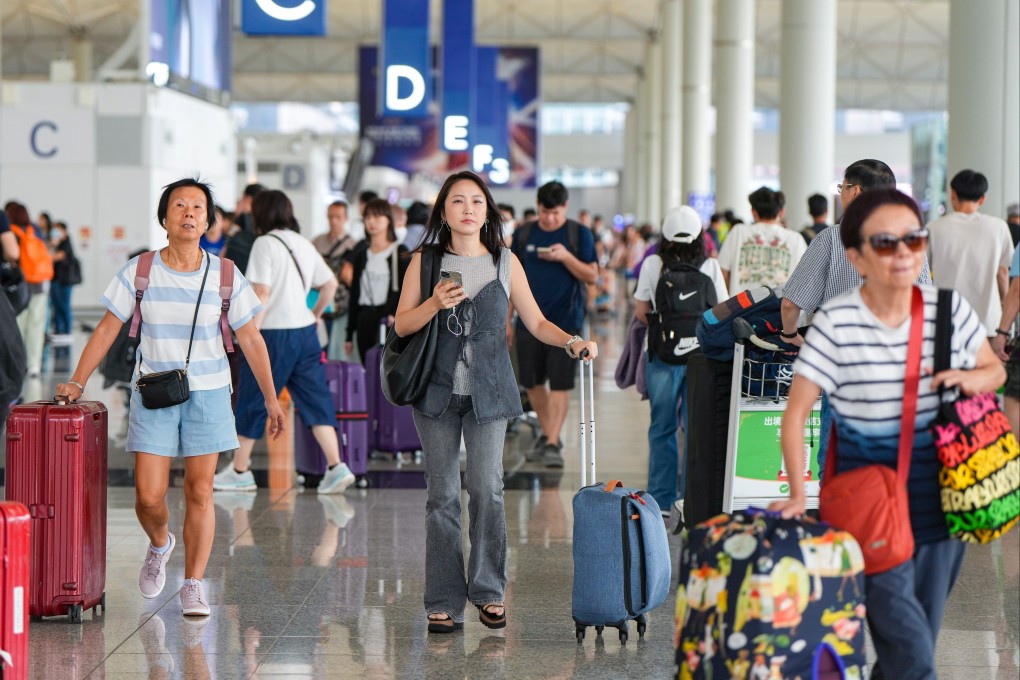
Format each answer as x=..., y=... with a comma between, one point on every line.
x=48, y=152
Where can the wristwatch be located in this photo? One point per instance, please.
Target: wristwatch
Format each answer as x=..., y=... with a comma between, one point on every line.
x=569, y=346
x=788, y=336
x=999, y=331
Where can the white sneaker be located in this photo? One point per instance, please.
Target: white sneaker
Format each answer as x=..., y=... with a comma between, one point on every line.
x=193, y=602
x=336, y=480
x=152, y=577
x=230, y=480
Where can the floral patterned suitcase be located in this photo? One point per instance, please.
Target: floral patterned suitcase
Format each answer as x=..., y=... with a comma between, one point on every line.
x=761, y=598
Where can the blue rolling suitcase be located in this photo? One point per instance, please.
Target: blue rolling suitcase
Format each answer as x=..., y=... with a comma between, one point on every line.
x=621, y=554
x=763, y=596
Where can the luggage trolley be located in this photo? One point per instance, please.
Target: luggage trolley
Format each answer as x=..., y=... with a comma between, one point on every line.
x=755, y=472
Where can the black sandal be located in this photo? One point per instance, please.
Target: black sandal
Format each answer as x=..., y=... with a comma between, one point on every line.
x=443, y=625
x=489, y=618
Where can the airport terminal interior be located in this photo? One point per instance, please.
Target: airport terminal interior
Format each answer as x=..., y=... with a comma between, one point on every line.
x=303, y=585
x=637, y=106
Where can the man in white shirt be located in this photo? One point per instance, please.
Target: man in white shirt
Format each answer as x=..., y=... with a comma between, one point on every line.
x=970, y=252
x=764, y=253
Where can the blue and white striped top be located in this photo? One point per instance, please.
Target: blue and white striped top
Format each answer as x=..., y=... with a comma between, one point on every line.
x=861, y=364
x=168, y=307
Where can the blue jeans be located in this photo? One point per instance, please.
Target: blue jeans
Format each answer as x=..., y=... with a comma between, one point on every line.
x=446, y=589
x=667, y=385
x=905, y=608
x=825, y=415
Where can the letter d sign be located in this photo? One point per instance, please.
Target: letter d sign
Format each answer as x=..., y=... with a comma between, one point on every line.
x=405, y=81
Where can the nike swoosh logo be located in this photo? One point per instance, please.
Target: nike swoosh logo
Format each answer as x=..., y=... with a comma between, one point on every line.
x=680, y=351
x=684, y=296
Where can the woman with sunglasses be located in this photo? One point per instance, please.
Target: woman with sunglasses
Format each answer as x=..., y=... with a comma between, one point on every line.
x=856, y=352
x=472, y=393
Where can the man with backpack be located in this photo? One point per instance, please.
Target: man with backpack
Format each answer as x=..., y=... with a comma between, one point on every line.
x=675, y=287
x=558, y=255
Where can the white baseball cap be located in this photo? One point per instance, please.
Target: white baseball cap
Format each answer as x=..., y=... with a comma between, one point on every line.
x=681, y=225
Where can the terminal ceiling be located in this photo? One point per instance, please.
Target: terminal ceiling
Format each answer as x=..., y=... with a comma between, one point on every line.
x=891, y=54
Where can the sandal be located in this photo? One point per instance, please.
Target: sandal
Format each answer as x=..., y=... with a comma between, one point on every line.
x=489, y=618
x=443, y=625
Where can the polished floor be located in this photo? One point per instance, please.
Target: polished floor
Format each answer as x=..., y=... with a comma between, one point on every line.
x=309, y=586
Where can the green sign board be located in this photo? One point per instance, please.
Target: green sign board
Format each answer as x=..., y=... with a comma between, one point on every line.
x=758, y=471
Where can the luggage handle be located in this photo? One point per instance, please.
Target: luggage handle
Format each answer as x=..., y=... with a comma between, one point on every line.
x=586, y=467
x=613, y=483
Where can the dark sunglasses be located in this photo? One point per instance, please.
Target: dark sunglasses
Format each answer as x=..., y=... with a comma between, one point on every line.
x=886, y=244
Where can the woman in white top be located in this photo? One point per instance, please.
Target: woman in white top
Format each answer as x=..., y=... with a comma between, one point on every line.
x=682, y=243
x=376, y=272
x=282, y=268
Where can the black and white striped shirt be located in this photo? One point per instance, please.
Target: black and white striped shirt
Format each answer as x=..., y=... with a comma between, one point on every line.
x=825, y=272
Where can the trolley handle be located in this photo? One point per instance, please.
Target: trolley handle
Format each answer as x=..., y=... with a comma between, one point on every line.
x=587, y=466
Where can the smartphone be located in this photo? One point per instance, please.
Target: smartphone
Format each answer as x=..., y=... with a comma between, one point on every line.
x=542, y=249
x=451, y=275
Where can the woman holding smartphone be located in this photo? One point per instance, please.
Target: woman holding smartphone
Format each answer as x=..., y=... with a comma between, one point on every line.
x=472, y=393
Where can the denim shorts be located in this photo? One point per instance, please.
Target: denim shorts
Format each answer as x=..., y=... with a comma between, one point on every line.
x=203, y=424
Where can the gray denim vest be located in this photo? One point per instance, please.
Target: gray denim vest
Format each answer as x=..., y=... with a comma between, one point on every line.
x=494, y=393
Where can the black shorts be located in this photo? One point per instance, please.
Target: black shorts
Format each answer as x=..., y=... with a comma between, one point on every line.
x=539, y=362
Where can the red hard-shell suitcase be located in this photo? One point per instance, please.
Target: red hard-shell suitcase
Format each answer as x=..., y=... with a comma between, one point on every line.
x=15, y=543
x=56, y=466
x=346, y=384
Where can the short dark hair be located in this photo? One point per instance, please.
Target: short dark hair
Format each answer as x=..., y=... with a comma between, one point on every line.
x=862, y=208
x=969, y=185
x=273, y=210
x=210, y=202
x=508, y=208
x=253, y=190
x=338, y=204
x=379, y=206
x=367, y=195
x=17, y=213
x=530, y=213
x=767, y=203
x=870, y=174
x=491, y=234
x=552, y=195
x=817, y=205
x=418, y=213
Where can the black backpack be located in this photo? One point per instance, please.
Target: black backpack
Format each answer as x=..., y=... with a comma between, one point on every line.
x=682, y=295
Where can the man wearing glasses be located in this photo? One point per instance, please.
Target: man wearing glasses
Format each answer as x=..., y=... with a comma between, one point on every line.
x=825, y=272
x=970, y=252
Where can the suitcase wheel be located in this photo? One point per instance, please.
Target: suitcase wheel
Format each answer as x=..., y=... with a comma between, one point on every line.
x=642, y=625
x=599, y=629
x=624, y=633
x=362, y=482
x=74, y=613
x=579, y=631
x=101, y=605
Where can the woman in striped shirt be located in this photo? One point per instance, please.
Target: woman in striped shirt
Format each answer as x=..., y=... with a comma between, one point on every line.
x=856, y=352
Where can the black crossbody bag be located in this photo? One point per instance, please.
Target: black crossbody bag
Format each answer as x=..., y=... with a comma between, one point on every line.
x=169, y=388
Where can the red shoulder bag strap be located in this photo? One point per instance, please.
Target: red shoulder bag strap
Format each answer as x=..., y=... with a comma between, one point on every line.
x=141, y=283
x=910, y=390
x=910, y=385
x=226, y=289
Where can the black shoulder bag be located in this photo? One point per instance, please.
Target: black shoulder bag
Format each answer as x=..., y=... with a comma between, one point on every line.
x=407, y=362
x=169, y=388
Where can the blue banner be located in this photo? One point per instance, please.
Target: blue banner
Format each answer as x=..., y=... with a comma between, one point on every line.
x=458, y=74
x=490, y=153
x=283, y=17
x=405, y=79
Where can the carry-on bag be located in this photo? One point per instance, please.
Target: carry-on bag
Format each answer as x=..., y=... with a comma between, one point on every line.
x=15, y=551
x=709, y=387
x=621, y=553
x=390, y=428
x=760, y=596
x=346, y=384
x=56, y=467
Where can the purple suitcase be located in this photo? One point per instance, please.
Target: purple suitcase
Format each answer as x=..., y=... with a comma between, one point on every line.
x=391, y=428
x=346, y=384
